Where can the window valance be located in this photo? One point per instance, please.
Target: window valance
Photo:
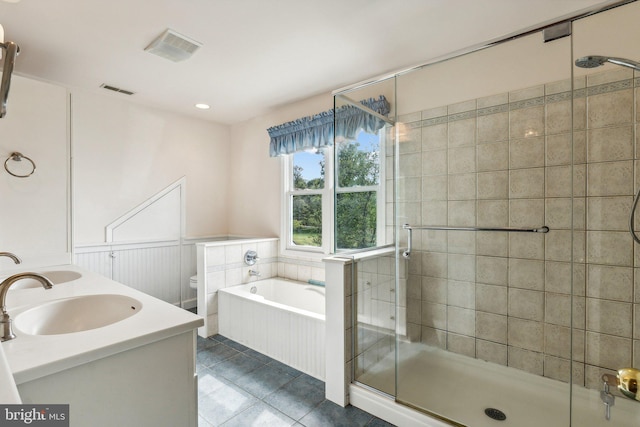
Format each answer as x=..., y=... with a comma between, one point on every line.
x=317, y=131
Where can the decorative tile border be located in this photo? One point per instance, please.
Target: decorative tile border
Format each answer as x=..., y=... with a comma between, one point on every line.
x=532, y=102
x=562, y=96
x=495, y=109
x=610, y=87
x=435, y=121
x=526, y=103
x=462, y=116
x=413, y=125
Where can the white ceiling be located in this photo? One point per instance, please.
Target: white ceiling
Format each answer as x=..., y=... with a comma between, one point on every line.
x=256, y=54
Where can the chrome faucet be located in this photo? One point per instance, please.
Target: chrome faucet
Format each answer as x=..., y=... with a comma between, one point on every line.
x=5, y=322
x=12, y=256
x=251, y=257
x=255, y=273
x=606, y=396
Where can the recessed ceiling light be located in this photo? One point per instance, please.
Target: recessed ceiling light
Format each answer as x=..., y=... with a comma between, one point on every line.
x=203, y=106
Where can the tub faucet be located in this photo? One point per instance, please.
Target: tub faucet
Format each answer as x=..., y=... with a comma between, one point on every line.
x=12, y=256
x=5, y=322
x=255, y=273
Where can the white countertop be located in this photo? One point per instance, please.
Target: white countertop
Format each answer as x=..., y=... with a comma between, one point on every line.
x=8, y=390
x=33, y=356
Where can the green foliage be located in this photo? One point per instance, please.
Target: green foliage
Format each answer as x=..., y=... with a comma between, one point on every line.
x=307, y=220
x=356, y=212
x=298, y=181
x=356, y=223
x=306, y=238
x=356, y=167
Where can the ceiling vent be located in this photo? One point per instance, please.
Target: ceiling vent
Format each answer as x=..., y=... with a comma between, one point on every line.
x=116, y=89
x=173, y=46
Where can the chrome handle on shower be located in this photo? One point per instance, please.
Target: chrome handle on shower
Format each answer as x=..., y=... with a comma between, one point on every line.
x=406, y=254
x=605, y=395
x=628, y=383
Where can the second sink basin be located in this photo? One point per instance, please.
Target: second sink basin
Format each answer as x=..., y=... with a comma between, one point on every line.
x=56, y=277
x=76, y=314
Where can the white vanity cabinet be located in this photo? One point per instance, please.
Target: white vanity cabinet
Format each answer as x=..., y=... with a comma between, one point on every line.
x=138, y=371
x=153, y=385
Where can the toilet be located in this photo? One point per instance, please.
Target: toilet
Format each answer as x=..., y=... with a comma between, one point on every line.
x=193, y=282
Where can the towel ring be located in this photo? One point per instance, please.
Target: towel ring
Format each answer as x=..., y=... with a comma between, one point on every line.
x=18, y=158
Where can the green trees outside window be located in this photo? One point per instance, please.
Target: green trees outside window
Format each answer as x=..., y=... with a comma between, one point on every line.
x=358, y=173
x=356, y=198
x=307, y=220
x=308, y=177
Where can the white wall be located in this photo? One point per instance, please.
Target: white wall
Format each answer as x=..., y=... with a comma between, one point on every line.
x=124, y=153
x=33, y=220
x=518, y=64
x=255, y=187
x=614, y=33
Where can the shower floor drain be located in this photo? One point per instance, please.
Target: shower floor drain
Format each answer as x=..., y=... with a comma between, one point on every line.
x=495, y=414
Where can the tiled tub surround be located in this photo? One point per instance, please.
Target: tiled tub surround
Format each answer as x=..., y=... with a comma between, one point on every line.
x=506, y=161
x=220, y=264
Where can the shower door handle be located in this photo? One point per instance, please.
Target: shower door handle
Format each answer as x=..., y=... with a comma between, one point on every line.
x=406, y=254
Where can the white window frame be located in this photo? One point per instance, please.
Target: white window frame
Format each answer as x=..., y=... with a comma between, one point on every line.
x=328, y=204
x=327, y=207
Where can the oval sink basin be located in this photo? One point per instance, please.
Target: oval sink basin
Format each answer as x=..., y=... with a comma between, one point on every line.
x=83, y=313
x=56, y=277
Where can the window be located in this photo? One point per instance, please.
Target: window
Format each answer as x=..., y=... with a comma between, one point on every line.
x=306, y=198
x=358, y=192
x=358, y=202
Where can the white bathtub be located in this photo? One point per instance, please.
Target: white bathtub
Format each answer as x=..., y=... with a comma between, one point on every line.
x=282, y=319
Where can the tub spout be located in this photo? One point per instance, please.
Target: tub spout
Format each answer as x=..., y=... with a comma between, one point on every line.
x=5, y=322
x=12, y=256
x=255, y=273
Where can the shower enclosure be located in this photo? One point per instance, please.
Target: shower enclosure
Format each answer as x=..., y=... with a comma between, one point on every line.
x=514, y=281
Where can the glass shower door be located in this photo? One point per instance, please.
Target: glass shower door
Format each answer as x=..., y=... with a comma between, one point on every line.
x=486, y=144
x=607, y=332
x=364, y=195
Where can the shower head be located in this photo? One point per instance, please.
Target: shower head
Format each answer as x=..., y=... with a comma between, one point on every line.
x=590, y=61
x=593, y=61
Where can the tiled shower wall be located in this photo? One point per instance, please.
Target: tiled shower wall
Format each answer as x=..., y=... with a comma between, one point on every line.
x=506, y=161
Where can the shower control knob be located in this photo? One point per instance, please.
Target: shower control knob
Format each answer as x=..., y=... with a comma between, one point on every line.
x=251, y=257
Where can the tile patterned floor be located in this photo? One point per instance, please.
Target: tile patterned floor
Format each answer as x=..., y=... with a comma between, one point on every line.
x=240, y=387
